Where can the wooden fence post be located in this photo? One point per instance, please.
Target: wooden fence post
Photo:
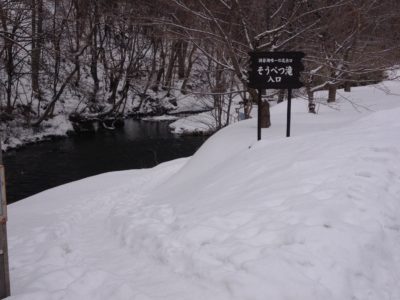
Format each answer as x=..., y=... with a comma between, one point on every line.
x=4, y=269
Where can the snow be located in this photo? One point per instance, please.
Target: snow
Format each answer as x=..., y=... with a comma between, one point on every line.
x=191, y=103
x=160, y=118
x=314, y=216
x=203, y=123
x=14, y=135
x=206, y=123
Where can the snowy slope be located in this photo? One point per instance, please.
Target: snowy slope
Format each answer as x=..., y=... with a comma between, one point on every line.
x=315, y=216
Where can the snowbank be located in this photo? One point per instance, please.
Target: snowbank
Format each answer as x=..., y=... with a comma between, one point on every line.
x=203, y=123
x=315, y=216
x=206, y=123
x=15, y=135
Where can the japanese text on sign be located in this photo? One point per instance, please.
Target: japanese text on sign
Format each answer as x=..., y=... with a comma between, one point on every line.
x=272, y=60
x=279, y=70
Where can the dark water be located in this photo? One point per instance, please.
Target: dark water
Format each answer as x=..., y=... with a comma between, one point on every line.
x=139, y=144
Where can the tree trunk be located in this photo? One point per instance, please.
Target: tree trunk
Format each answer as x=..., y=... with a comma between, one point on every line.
x=10, y=70
x=171, y=64
x=56, y=97
x=311, y=100
x=219, y=89
x=265, y=114
x=78, y=30
x=37, y=32
x=182, y=50
x=94, y=55
x=8, y=39
x=281, y=96
x=152, y=72
x=57, y=52
x=332, y=93
x=188, y=70
x=248, y=105
x=161, y=70
x=347, y=87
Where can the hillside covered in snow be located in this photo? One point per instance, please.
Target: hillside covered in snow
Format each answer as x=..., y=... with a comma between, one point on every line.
x=314, y=216
x=70, y=66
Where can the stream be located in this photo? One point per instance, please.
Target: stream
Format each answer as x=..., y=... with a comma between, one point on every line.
x=139, y=144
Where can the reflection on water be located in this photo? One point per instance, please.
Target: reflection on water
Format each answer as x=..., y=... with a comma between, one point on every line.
x=139, y=144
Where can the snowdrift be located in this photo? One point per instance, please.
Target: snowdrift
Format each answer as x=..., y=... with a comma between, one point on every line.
x=315, y=216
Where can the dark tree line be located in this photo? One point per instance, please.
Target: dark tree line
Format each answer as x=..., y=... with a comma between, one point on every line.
x=108, y=55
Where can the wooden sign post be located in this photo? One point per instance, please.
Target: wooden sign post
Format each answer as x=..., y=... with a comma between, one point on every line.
x=4, y=269
x=275, y=70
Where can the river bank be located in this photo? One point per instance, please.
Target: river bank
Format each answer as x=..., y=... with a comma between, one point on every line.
x=139, y=144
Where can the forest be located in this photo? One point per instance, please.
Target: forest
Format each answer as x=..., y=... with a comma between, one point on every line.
x=99, y=59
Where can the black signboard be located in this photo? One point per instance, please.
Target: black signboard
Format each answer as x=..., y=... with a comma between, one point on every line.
x=275, y=70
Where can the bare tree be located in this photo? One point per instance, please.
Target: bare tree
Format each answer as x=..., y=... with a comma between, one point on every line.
x=226, y=26
x=13, y=50
x=110, y=53
x=349, y=47
x=36, y=44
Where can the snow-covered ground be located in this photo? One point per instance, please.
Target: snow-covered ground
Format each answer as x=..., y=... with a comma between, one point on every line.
x=315, y=216
x=206, y=123
x=13, y=135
